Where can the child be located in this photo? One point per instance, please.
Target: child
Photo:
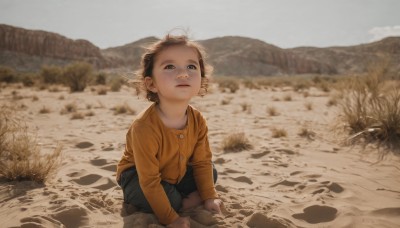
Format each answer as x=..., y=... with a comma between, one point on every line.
x=167, y=164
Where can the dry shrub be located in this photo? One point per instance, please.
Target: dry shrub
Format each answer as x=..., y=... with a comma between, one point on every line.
x=246, y=107
x=251, y=84
x=308, y=105
x=44, y=110
x=89, y=113
x=224, y=84
x=236, y=142
x=20, y=155
x=307, y=133
x=69, y=108
x=77, y=76
x=116, y=84
x=333, y=101
x=123, y=109
x=371, y=109
x=272, y=111
x=287, y=97
x=51, y=74
x=278, y=132
x=35, y=98
x=102, y=90
x=77, y=116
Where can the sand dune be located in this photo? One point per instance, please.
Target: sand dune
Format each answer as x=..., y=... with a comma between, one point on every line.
x=291, y=181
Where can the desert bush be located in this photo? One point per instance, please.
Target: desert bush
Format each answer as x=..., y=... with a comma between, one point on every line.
x=287, y=97
x=77, y=76
x=123, y=109
x=77, y=116
x=20, y=155
x=51, y=74
x=100, y=79
x=307, y=133
x=28, y=79
x=69, y=108
x=7, y=74
x=371, y=110
x=272, y=111
x=251, y=84
x=228, y=84
x=278, y=132
x=246, y=107
x=308, y=105
x=116, y=84
x=236, y=142
x=102, y=90
x=44, y=110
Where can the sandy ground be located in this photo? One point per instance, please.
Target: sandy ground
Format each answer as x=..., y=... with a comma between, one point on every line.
x=290, y=181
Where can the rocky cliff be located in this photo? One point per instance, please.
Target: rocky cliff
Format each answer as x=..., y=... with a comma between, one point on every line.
x=23, y=44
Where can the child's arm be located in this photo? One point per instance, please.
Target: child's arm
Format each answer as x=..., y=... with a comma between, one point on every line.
x=202, y=164
x=145, y=145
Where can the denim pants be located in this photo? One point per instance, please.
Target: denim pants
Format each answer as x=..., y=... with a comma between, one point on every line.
x=133, y=193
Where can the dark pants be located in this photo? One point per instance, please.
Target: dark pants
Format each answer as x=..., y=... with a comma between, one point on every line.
x=133, y=193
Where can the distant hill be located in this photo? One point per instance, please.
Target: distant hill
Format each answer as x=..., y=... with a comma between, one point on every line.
x=28, y=50
x=358, y=58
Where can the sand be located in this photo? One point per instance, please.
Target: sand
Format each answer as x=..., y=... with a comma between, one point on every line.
x=291, y=181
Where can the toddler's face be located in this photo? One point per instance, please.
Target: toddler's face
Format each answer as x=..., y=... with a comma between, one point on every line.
x=176, y=73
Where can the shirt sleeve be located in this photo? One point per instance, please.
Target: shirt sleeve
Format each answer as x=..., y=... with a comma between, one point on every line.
x=202, y=165
x=145, y=148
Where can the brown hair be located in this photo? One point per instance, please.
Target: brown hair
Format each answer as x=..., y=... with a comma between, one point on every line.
x=148, y=58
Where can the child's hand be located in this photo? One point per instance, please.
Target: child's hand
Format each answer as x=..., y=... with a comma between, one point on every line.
x=213, y=205
x=181, y=222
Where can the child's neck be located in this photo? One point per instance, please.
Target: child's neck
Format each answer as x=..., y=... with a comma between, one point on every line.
x=173, y=116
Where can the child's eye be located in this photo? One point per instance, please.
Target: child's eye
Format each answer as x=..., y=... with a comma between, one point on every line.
x=169, y=67
x=192, y=67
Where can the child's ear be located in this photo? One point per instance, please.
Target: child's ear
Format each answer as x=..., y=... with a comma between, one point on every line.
x=149, y=82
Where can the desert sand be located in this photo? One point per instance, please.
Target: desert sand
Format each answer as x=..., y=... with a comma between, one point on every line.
x=292, y=181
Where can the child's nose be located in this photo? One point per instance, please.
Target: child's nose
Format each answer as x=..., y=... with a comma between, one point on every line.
x=182, y=73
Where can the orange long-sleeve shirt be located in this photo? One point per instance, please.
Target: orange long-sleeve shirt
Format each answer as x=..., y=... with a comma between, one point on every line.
x=160, y=153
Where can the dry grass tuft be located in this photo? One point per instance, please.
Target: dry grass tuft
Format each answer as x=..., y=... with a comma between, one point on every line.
x=307, y=133
x=371, y=110
x=308, y=105
x=20, y=155
x=278, y=132
x=287, y=97
x=44, y=110
x=228, y=84
x=272, y=111
x=123, y=109
x=77, y=116
x=246, y=107
x=102, y=90
x=236, y=142
x=69, y=108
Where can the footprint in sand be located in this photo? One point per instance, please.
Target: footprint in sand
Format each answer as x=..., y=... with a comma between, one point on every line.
x=71, y=216
x=96, y=181
x=84, y=145
x=317, y=214
x=243, y=179
x=259, y=220
x=286, y=183
x=40, y=221
x=106, y=165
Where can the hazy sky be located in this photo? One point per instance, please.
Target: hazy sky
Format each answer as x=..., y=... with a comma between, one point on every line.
x=285, y=23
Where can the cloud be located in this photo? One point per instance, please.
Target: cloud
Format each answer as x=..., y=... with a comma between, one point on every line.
x=379, y=33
